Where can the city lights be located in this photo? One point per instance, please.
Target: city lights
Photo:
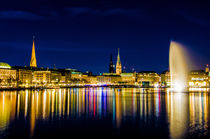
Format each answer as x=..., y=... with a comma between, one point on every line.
x=104, y=69
x=34, y=77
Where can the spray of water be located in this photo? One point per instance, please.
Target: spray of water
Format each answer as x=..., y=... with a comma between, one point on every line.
x=178, y=67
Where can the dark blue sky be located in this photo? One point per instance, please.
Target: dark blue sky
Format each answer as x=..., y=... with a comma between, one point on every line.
x=82, y=34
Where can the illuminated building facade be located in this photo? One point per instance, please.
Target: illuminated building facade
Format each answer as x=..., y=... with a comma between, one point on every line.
x=76, y=75
x=103, y=79
x=67, y=76
x=115, y=79
x=8, y=76
x=41, y=77
x=84, y=79
x=64, y=75
x=207, y=68
x=198, y=78
x=55, y=77
x=128, y=78
x=63, y=79
x=118, y=65
x=78, y=78
x=24, y=77
x=148, y=79
x=165, y=79
x=32, y=76
x=92, y=80
x=27, y=77
x=33, y=56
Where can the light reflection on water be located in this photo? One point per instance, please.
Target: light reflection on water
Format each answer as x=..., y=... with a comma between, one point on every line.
x=182, y=114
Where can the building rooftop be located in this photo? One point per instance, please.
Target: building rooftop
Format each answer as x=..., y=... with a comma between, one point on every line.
x=147, y=72
x=165, y=71
x=199, y=70
x=4, y=66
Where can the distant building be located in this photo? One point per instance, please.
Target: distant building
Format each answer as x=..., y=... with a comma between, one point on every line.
x=67, y=76
x=103, y=79
x=148, y=79
x=207, y=68
x=60, y=76
x=118, y=64
x=55, y=77
x=41, y=77
x=198, y=78
x=33, y=56
x=115, y=79
x=111, y=65
x=24, y=77
x=8, y=76
x=92, y=80
x=165, y=78
x=89, y=73
x=76, y=75
x=128, y=78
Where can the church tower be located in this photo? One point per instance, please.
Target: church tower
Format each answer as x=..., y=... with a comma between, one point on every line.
x=207, y=68
x=111, y=65
x=33, y=56
x=118, y=65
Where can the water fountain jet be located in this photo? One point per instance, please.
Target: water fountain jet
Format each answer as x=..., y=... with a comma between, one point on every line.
x=178, y=67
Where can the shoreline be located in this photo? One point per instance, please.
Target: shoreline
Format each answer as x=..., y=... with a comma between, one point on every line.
x=89, y=86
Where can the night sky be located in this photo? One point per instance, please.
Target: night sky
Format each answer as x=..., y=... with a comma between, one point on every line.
x=81, y=34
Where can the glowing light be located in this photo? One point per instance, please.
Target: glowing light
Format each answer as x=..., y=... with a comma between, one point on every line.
x=178, y=87
x=156, y=85
x=178, y=67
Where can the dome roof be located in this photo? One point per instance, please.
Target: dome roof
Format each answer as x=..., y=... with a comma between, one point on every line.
x=4, y=66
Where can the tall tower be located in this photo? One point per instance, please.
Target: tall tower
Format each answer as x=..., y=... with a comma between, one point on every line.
x=207, y=68
x=111, y=65
x=33, y=56
x=118, y=65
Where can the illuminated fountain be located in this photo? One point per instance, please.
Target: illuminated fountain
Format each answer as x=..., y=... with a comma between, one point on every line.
x=178, y=67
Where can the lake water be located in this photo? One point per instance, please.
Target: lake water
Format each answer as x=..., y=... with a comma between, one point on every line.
x=104, y=112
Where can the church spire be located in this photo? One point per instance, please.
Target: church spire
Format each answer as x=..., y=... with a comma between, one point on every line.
x=118, y=65
x=111, y=65
x=33, y=55
x=207, y=68
x=118, y=56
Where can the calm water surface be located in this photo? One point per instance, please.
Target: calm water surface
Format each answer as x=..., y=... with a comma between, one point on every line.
x=99, y=112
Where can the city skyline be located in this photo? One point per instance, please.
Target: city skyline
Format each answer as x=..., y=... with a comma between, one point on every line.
x=104, y=68
x=79, y=35
x=116, y=69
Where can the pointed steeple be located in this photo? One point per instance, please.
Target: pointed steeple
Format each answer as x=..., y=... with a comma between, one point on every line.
x=33, y=55
x=118, y=57
x=111, y=65
x=118, y=65
x=207, y=68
